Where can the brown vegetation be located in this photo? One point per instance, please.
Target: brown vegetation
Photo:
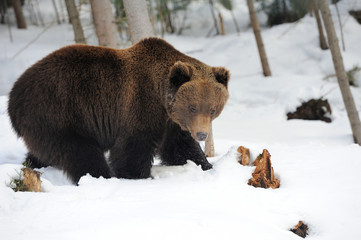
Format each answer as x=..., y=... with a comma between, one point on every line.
x=244, y=156
x=300, y=229
x=264, y=176
x=32, y=180
x=27, y=181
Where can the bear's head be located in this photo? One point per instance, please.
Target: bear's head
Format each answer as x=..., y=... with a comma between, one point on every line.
x=196, y=96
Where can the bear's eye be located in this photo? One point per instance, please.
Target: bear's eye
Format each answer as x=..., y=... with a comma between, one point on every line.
x=192, y=109
x=213, y=111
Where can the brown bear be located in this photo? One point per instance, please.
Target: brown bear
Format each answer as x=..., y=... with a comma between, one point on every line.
x=81, y=101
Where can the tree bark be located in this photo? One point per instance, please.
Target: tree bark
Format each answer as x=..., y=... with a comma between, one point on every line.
x=20, y=20
x=323, y=43
x=340, y=71
x=104, y=22
x=75, y=21
x=138, y=19
x=258, y=36
x=223, y=32
x=341, y=29
x=209, y=144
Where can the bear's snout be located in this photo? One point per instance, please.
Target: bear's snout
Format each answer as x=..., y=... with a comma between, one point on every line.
x=201, y=136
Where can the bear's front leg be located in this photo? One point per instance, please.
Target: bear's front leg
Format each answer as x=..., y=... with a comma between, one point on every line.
x=178, y=146
x=132, y=157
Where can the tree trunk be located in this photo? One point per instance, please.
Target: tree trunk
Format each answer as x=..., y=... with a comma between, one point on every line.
x=341, y=29
x=223, y=32
x=323, y=43
x=152, y=17
x=168, y=18
x=340, y=71
x=20, y=20
x=235, y=22
x=209, y=144
x=138, y=19
x=75, y=21
x=104, y=22
x=257, y=34
x=56, y=12
x=161, y=18
x=214, y=16
x=2, y=11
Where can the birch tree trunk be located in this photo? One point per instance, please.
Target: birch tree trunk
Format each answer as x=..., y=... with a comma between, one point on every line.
x=258, y=36
x=138, y=19
x=323, y=43
x=20, y=20
x=75, y=21
x=104, y=22
x=340, y=71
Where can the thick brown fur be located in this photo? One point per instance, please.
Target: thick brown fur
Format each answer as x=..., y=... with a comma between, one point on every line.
x=81, y=101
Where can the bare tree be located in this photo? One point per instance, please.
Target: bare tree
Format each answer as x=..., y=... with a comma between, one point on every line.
x=229, y=6
x=104, y=22
x=340, y=71
x=214, y=16
x=161, y=18
x=56, y=12
x=75, y=21
x=152, y=17
x=340, y=24
x=20, y=20
x=323, y=43
x=258, y=36
x=3, y=9
x=138, y=19
x=223, y=31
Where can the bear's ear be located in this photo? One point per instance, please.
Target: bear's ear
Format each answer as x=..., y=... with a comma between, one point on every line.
x=222, y=75
x=180, y=73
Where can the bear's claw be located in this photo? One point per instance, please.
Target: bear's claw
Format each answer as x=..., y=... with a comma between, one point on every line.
x=206, y=166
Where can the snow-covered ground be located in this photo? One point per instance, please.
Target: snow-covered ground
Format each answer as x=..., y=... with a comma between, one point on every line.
x=317, y=163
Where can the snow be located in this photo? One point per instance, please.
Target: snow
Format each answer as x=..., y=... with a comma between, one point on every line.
x=317, y=163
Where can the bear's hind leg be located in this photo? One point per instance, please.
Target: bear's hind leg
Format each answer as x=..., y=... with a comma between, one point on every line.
x=132, y=158
x=80, y=156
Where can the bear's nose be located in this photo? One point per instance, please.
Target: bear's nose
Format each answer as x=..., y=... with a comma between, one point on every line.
x=201, y=136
